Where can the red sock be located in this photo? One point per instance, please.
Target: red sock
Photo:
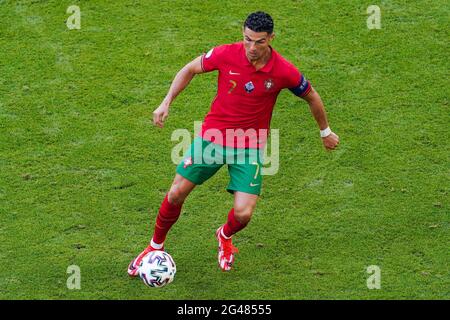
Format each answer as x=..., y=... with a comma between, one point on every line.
x=167, y=216
x=233, y=225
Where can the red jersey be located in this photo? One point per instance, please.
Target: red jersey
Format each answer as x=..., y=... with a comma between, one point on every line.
x=242, y=109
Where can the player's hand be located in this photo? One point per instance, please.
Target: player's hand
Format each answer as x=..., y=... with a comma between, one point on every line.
x=160, y=115
x=331, y=141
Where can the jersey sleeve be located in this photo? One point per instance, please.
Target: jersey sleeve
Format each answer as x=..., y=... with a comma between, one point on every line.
x=213, y=59
x=297, y=83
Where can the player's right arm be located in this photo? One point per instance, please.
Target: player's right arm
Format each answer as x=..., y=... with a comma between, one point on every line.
x=182, y=79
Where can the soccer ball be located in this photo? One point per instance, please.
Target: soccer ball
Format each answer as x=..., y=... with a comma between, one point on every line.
x=157, y=269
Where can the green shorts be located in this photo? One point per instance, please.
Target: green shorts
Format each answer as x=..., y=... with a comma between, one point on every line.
x=204, y=158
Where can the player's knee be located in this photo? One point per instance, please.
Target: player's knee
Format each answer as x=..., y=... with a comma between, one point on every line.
x=243, y=213
x=176, y=196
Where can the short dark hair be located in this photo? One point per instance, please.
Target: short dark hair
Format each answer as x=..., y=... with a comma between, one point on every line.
x=259, y=22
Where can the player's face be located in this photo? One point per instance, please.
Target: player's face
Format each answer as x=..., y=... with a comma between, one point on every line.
x=256, y=43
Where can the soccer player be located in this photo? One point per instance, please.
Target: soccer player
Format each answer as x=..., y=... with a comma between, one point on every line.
x=251, y=75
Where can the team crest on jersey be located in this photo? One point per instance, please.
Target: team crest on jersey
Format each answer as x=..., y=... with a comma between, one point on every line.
x=187, y=162
x=249, y=87
x=268, y=84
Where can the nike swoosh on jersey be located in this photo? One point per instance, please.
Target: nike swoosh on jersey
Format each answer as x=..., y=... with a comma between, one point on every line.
x=234, y=73
x=254, y=184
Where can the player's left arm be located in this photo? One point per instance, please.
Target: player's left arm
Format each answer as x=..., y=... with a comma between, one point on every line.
x=329, y=138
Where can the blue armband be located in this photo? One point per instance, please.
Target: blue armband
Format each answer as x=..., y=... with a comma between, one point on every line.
x=303, y=88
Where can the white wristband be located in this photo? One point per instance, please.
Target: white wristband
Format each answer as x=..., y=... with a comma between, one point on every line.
x=325, y=132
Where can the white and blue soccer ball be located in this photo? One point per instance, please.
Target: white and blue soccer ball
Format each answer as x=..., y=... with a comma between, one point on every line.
x=157, y=269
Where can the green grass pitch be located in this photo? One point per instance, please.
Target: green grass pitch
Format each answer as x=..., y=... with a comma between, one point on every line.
x=83, y=171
